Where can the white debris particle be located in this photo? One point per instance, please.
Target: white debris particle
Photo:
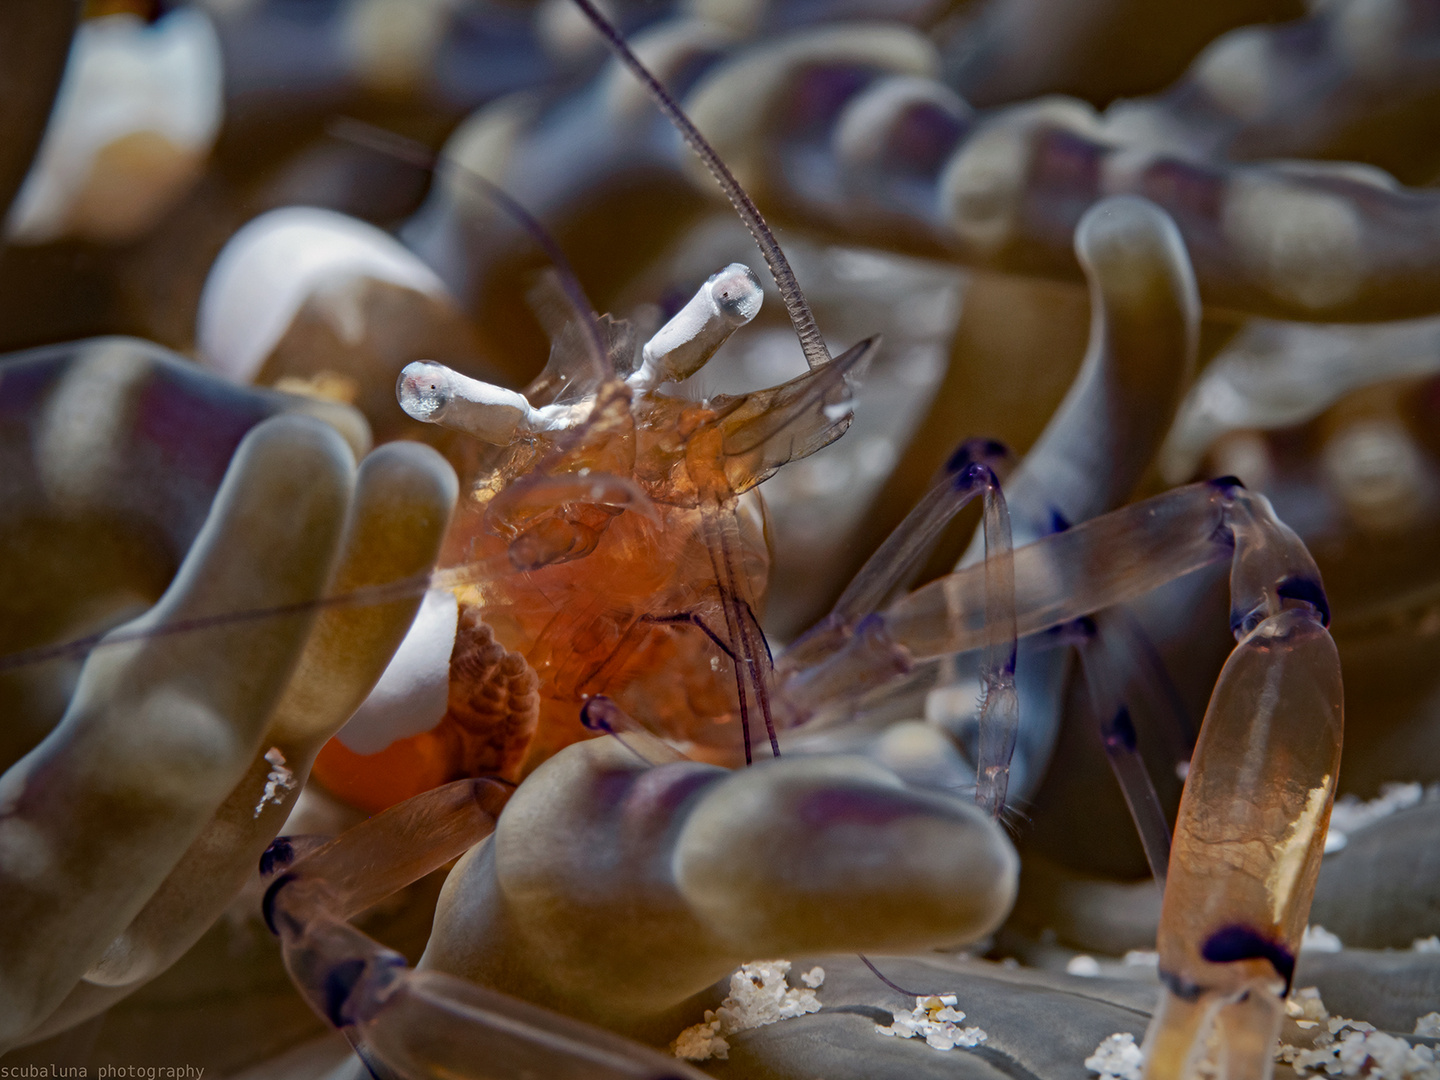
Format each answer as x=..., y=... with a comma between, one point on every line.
x=1426, y=944
x=1085, y=966
x=701, y=1042
x=278, y=781
x=1318, y=939
x=936, y=1020
x=1351, y=814
x=1373, y=1054
x=1305, y=1007
x=758, y=996
x=1428, y=1025
x=1341, y=1047
x=1141, y=958
x=1117, y=1058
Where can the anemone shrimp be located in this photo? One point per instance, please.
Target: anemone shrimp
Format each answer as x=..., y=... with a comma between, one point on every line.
x=1218, y=938
x=1227, y=941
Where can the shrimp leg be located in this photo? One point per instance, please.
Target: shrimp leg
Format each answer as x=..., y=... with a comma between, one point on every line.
x=1251, y=830
x=1252, y=818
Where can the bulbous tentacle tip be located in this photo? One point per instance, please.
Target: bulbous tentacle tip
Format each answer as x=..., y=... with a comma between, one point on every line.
x=1129, y=231
x=836, y=853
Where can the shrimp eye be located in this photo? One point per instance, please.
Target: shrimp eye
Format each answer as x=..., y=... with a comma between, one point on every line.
x=736, y=292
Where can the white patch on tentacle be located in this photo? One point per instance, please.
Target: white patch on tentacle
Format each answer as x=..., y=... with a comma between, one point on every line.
x=413, y=693
x=1318, y=939
x=1350, y=814
x=1342, y=1047
x=275, y=263
x=135, y=117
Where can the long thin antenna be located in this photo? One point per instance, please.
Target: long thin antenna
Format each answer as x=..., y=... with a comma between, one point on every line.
x=421, y=156
x=881, y=976
x=816, y=353
x=400, y=589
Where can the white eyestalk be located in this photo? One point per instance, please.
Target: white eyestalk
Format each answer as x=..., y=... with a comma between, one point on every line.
x=436, y=394
x=726, y=302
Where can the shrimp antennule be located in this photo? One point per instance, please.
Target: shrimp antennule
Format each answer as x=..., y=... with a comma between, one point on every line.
x=816, y=354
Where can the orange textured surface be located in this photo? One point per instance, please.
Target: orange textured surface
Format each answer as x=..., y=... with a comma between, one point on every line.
x=585, y=595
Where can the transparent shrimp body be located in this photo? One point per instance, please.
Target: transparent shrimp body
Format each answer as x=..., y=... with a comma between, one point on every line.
x=1275, y=718
x=614, y=544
